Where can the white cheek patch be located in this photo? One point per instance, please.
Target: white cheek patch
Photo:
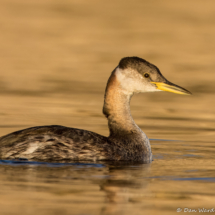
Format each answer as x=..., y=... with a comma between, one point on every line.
x=133, y=82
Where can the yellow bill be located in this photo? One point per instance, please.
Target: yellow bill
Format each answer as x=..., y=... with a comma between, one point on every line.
x=170, y=87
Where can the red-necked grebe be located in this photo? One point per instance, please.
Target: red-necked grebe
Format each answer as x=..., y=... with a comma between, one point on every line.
x=126, y=140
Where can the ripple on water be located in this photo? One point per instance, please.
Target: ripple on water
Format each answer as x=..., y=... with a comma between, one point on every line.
x=36, y=163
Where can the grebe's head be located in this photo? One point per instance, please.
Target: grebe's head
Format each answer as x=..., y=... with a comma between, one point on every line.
x=136, y=75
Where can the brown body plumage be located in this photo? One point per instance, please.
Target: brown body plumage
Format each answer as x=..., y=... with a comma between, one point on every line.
x=126, y=140
x=59, y=143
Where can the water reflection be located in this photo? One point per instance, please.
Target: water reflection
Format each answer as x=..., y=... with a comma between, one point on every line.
x=110, y=187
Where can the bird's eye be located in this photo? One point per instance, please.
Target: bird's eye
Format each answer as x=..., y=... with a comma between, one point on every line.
x=146, y=75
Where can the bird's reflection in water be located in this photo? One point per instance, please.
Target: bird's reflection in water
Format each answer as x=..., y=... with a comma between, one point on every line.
x=107, y=188
x=124, y=185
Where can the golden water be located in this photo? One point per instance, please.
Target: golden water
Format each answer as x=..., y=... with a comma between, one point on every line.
x=56, y=57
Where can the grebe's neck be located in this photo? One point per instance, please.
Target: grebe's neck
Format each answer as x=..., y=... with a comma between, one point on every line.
x=117, y=109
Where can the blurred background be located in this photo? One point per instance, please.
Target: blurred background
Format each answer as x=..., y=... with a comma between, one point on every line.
x=56, y=57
